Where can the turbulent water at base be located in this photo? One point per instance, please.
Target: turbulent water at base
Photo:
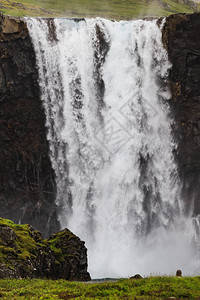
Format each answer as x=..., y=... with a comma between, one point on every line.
x=104, y=89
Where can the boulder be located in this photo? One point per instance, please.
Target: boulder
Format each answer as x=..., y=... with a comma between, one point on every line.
x=178, y=273
x=24, y=253
x=136, y=276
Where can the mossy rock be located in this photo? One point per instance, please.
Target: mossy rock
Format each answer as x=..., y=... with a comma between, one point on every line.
x=24, y=253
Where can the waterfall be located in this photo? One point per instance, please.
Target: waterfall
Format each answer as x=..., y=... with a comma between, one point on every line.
x=104, y=90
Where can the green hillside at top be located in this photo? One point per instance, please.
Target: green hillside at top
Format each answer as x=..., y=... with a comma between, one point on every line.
x=112, y=9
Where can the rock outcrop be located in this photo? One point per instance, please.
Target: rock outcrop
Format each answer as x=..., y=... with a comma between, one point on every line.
x=27, y=188
x=181, y=38
x=23, y=253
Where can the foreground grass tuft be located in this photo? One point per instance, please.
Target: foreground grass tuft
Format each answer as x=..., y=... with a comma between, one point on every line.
x=147, y=288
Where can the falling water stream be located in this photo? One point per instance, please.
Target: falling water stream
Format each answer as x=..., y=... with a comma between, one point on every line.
x=104, y=89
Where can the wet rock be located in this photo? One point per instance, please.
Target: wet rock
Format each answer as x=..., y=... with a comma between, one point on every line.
x=70, y=245
x=27, y=181
x=23, y=253
x=183, y=45
x=178, y=273
x=136, y=276
x=8, y=236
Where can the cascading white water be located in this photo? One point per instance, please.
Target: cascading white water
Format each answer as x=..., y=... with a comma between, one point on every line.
x=103, y=85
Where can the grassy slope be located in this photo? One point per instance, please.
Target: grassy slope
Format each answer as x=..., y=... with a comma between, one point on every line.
x=116, y=9
x=148, y=288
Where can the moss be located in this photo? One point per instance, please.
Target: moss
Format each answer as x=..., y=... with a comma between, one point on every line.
x=57, y=263
x=26, y=243
x=25, y=255
x=7, y=250
x=55, y=240
x=23, y=250
x=58, y=252
x=6, y=222
x=23, y=247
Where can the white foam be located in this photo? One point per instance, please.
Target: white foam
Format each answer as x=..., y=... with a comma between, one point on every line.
x=117, y=182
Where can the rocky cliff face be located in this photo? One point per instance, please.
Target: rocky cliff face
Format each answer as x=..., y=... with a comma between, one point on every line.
x=27, y=189
x=27, y=185
x=23, y=253
x=181, y=38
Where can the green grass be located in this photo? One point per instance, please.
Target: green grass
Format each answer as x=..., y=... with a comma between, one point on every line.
x=112, y=9
x=148, y=288
x=25, y=248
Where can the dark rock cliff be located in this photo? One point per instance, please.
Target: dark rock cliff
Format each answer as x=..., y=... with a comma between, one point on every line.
x=27, y=185
x=23, y=253
x=182, y=40
x=27, y=189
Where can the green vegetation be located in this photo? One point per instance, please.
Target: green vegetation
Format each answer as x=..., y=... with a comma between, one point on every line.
x=148, y=288
x=21, y=245
x=25, y=254
x=113, y=9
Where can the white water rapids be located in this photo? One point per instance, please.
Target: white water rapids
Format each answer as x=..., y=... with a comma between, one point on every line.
x=104, y=89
